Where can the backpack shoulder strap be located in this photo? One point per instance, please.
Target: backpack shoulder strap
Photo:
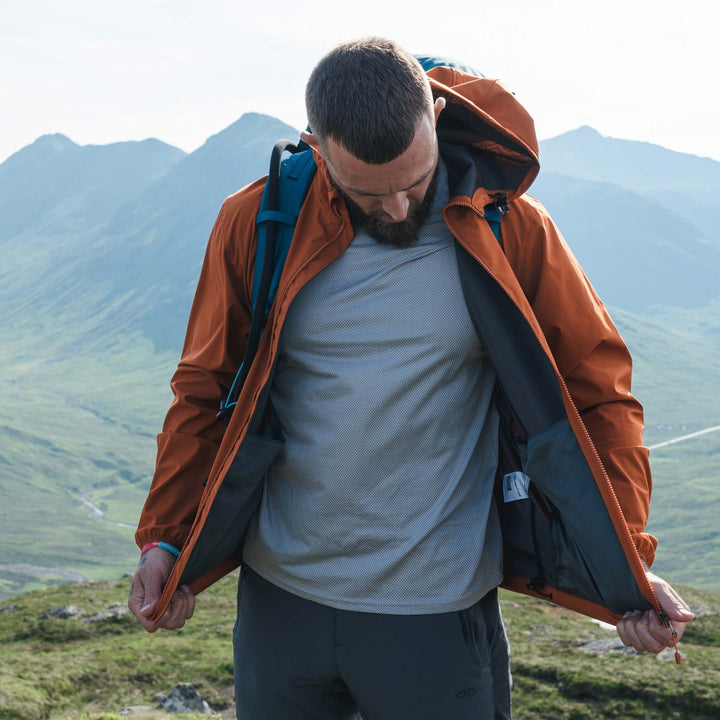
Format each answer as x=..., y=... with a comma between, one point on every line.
x=283, y=196
x=296, y=174
x=494, y=212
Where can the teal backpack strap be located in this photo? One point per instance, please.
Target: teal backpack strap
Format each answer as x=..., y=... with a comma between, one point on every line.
x=285, y=190
x=494, y=212
x=296, y=174
x=428, y=62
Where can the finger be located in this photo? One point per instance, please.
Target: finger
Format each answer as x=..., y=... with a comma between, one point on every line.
x=670, y=601
x=623, y=628
x=190, y=601
x=627, y=629
x=679, y=628
x=137, y=593
x=139, y=598
x=147, y=624
x=143, y=601
x=653, y=635
x=179, y=610
x=170, y=618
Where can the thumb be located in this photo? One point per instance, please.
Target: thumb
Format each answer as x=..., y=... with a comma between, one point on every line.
x=677, y=610
x=148, y=603
x=675, y=607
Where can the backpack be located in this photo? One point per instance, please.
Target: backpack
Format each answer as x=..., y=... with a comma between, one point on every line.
x=285, y=190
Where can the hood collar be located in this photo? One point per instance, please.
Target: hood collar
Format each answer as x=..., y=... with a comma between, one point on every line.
x=486, y=136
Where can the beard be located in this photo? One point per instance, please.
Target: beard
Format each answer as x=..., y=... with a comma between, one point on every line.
x=399, y=234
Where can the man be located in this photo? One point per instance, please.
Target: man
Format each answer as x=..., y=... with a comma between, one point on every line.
x=355, y=480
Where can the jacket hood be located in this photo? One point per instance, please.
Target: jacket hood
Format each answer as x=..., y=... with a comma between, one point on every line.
x=486, y=136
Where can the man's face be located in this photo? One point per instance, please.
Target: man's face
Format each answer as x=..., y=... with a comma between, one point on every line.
x=401, y=233
x=389, y=201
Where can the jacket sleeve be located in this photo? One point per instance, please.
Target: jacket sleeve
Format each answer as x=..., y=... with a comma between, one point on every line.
x=590, y=354
x=213, y=350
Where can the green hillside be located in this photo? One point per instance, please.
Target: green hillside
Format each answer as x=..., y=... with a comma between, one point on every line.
x=684, y=511
x=76, y=430
x=676, y=369
x=52, y=669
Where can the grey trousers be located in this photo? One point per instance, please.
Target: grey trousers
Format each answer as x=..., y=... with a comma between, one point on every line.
x=298, y=660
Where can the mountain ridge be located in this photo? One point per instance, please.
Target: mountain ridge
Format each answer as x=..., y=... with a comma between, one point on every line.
x=688, y=183
x=54, y=185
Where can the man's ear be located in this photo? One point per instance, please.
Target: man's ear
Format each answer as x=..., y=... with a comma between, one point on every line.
x=438, y=107
x=310, y=139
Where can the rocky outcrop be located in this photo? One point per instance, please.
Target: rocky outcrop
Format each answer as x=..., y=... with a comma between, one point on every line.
x=63, y=612
x=183, y=698
x=116, y=610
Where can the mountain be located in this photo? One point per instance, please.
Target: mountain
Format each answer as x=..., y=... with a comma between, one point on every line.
x=638, y=253
x=101, y=250
x=138, y=267
x=156, y=243
x=84, y=364
x=686, y=183
x=55, y=186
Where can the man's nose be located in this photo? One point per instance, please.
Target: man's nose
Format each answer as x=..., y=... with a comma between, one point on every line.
x=396, y=206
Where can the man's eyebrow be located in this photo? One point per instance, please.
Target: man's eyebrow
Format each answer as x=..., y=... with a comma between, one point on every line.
x=409, y=187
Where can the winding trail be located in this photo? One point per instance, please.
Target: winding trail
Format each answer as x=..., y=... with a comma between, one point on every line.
x=96, y=512
x=682, y=438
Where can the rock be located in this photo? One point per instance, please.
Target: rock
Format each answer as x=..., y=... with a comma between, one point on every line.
x=63, y=613
x=135, y=709
x=605, y=647
x=510, y=604
x=116, y=610
x=183, y=698
x=7, y=608
x=546, y=629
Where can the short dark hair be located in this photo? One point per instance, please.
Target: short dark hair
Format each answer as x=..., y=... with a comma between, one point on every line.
x=368, y=95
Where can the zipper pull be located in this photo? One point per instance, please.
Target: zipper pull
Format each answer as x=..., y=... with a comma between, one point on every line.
x=502, y=202
x=665, y=620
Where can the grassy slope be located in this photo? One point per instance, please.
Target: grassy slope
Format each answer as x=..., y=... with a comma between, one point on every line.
x=676, y=372
x=677, y=377
x=684, y=511
x=63, y=668
x=72, y=425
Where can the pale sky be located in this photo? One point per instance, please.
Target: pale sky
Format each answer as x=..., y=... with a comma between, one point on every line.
x=100, y=71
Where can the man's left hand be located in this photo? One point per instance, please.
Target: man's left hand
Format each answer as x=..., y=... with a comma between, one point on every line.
x=644, y=631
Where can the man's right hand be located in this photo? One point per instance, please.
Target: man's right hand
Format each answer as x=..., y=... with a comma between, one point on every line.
x=147, y=584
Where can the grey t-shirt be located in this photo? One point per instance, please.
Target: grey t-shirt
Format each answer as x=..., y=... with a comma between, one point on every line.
x=382, y=497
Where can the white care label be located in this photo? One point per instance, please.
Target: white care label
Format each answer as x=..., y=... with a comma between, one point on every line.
x=515, y=486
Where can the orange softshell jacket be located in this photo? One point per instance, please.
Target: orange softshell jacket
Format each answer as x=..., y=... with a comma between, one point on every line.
x=570, y=423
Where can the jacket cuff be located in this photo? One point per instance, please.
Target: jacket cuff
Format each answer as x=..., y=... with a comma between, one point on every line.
x=646, y=545
x=172, y=536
